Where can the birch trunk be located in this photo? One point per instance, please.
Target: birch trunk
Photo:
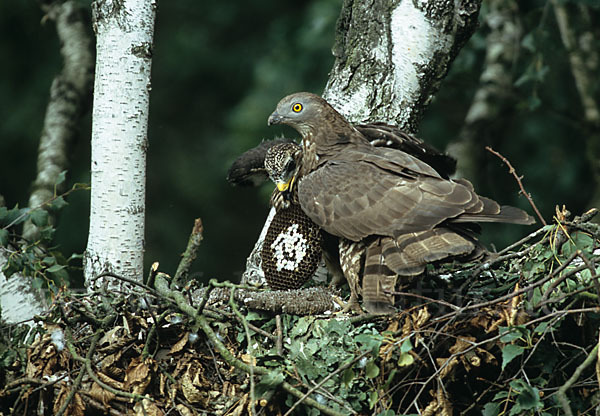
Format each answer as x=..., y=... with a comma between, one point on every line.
x=391, y=56
x=70, y=94
x=124, y=42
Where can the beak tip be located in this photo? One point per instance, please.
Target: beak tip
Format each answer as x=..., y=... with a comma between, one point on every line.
x=273, y=119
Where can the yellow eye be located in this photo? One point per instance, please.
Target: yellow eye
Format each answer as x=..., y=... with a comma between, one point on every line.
x=296, y=108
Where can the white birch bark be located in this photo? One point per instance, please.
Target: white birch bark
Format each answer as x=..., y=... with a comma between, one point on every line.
x=124, y=32
x=19, y=301
x=391, y=56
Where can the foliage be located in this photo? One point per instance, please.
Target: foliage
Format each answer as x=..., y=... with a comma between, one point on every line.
x=492, y=338
x=39, y=260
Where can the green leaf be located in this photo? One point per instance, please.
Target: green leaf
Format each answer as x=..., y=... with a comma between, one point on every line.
x=528, y=397
x=500, y=395
x=60, y=178
x=251, y=316
x=406, y=346
x=405, y=359
x=38, y=283
x=528, y=42
x=301, y=326
x=347, y=376
x=39, y=217
x=3, y=237
x=373, y=398
x=369, y=342
x=269, y=382
x=541, y=328
x=371, y=369
x=13, y=216
x=56, y=268
x=491, y=409
x=390, y=412
x=510, y=352
x=512, y=333
x=57, y=204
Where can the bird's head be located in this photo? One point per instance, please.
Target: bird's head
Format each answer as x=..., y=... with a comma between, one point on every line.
x=301, y=110
x=282, y=162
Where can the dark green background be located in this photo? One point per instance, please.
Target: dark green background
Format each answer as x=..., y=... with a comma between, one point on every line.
x=219, y=68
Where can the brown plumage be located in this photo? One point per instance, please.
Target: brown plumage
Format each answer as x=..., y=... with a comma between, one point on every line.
x=402, y=211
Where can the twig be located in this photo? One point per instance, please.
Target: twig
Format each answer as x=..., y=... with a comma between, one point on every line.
x=561, y=394
x=237, y=312
x=316, y=386
x=162, y=287
x=279, y=338
x=516, y=292
x=82, y=371
x=189, y=255
x=513, y=172
x=127, y=280
x=414, y=295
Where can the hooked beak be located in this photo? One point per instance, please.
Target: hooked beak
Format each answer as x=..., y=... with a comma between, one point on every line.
x=274, y=118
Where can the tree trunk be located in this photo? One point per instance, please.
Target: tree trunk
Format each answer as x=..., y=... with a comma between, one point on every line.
x=583, y=58
x=391, y=56
x=69, y=97
x=69, y=94
x=390, y=59
x=495, y=94
x=119, y=138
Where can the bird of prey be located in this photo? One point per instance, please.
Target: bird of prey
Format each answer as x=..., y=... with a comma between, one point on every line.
x=291, y=250
x=380, y=201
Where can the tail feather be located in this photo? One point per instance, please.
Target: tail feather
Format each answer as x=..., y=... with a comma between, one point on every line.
x=506, y=214
x=408, y=254
x=378, y=279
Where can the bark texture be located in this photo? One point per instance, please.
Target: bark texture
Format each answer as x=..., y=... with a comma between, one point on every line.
x=494, y=96
x=70, y=94
x=124, y=32
x=19, y=301
x=391, y=56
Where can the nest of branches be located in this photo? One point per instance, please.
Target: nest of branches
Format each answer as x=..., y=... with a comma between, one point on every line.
x=514, y=335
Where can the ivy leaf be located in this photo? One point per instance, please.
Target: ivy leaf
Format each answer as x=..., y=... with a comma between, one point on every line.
x=301, y=326
x=60, y=178
x=510, y=352
x=528, y=397
x=491, y=409
x=39, y=217
x=57, y=204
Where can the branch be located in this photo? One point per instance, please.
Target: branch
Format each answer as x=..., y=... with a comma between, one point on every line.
x=176, y=297
x=513, y=172
x=189, y=255
x=70, y=94
x=561, y=394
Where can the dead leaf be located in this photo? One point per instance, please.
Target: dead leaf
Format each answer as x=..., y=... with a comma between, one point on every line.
x=179, y=344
